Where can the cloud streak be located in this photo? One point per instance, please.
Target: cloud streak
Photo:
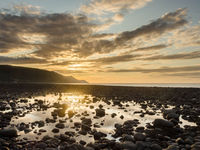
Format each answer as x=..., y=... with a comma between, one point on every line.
x=159, y=70
x=166, y=23
x=105, y=6
x=21, y=60
x=180, y=56
x=185, y=74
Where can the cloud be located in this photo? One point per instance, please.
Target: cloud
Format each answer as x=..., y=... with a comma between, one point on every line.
x=63, y=34
x=159, y=70
x=53, y=36
x=115, y=59
x=101, y=61
x=166, y=23
x=27, y=9
x=71, y=71
x=147, y=48
x=144, y=57
x=154, y=47
x=186, y=55
x=116, y=9
x=118, y=17
x=185, y=74
x=21, y=60
x=105, y=6
x=22, y=9
x=186, y=37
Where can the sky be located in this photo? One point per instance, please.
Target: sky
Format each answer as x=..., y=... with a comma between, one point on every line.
x=104, y=41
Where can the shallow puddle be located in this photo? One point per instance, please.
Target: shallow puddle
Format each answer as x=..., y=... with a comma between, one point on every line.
x=81, y=106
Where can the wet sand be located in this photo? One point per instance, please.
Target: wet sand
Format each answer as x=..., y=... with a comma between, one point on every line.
x=51, y=117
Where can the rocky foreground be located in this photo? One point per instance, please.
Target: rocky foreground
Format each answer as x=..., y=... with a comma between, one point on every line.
x=136, y=118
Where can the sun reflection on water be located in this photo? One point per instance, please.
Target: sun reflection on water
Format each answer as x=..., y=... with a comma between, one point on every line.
x=75, y=107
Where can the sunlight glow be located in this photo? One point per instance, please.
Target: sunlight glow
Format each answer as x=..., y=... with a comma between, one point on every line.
x=75, y=67
x=33, y=38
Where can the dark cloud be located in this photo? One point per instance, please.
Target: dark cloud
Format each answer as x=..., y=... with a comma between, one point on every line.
x=154, y=47
x=62, y=32
x=166, y=23
x=102, y=35
x=21, y=60
x=116, y=59
x=73, y=34
x=71, y=71
x=134, y=57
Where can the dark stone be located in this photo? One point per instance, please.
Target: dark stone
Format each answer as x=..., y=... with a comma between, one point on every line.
x=87, y=121
x=55, y=130
x=161, y=123
x=180, y=141
x=156, y=147
x=100, y=112
x=98, y=135
x=128, y=146
x=85, y=128
x=27, y=130
x=122, y=117
x=60, y=125
x=113, y=115
x=139, y=137
x=40, y=123
x=77, y=124
x=41, y=145
x=11, y=132
x=82, y=142
x=42, y=130
x=126, y=137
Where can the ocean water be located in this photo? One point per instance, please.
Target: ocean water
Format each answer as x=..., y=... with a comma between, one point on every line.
x=181, y=85
x=173, y=85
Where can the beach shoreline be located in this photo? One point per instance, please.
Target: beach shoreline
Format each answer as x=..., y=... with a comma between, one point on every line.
x=169, y=109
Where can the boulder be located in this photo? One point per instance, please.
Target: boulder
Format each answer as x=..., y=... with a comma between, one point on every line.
x=156, y=147
x=100, y=112
x=60, y=125
x=161, y=123
x=139, y=137
x=98, y=135
x=87, y=121
x=128, y=146
x=11, y=132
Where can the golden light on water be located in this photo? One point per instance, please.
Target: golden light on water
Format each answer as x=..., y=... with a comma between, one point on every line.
x=74, y=99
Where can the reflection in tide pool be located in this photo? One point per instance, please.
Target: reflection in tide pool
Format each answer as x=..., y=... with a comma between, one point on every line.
x=64, y=113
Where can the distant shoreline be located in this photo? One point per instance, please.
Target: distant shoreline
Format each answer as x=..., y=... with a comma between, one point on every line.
x=144, y=93
x=159, y=85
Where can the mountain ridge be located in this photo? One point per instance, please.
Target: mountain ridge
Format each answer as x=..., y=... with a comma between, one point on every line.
x=16, y=74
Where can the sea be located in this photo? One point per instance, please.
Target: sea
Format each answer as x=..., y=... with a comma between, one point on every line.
x=174, y=85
